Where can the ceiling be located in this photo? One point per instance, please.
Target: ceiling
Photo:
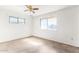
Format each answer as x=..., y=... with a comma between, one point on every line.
x=42, y=8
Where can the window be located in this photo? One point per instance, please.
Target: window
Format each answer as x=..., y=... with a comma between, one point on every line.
x=44, y=24
x=13, y=19
x=21, y=20
x=16, y=20
x=52, y=22
x=49, y=23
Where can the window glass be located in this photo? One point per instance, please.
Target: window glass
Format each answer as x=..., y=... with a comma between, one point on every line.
x=49, y=24
x=13, y=19
x=16, y=20
x=21, y=20
x=52, y=22
x=43, y=23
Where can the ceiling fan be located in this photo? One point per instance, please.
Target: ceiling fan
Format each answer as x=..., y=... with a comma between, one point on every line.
x=30, y=8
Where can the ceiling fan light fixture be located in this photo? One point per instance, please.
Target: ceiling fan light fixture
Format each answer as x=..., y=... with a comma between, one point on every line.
x=30, y=10
x=30, y=13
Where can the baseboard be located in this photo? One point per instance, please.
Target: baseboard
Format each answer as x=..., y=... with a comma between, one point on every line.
x=40, y=38
x=55, y=41
x=17, y=39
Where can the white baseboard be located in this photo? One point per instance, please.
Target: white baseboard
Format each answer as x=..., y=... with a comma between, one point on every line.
x=55, y=41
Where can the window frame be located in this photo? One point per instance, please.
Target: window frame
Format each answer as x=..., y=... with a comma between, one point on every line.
x=18, y=22
x=47, y=24
x=13, y=22
x=41, y=21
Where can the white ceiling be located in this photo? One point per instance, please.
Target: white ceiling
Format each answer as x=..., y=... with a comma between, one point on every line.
x=42, y=8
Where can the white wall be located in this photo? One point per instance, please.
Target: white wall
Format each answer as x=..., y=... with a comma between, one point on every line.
x=13, y=31
x=66, y=29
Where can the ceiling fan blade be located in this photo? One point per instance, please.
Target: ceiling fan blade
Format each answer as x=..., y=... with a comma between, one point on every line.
x=26, y=10
x=26, y=6
x=33, y=11
x=35, y=8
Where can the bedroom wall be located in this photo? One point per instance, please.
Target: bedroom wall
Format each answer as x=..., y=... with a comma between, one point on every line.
x=13, y=31
x=67, y=26
x=66, y=31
